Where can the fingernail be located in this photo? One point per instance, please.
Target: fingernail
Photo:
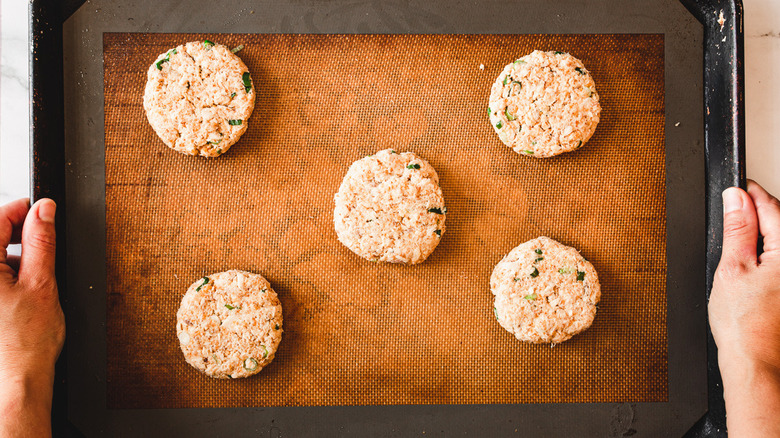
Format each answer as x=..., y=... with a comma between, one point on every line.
x=46, y=210
x=732, y=200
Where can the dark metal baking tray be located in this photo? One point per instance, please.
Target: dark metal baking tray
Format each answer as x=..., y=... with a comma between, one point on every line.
x=704, y=42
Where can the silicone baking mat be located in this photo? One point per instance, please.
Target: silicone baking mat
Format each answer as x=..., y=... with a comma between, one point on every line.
x=361, y=333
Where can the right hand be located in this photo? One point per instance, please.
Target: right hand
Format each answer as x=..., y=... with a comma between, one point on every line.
x=744, y=312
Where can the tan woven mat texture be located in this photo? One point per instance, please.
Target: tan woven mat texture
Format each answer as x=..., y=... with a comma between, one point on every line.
x=362, y=333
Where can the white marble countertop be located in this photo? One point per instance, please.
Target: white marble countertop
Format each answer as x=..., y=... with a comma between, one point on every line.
x=762, y=61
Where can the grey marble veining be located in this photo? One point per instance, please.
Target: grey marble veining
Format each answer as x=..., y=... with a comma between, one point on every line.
x=14, y=101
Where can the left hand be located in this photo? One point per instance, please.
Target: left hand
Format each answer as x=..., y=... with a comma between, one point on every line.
x=32, y=325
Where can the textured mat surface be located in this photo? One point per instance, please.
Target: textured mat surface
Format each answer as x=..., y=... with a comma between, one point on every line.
x=360, y=333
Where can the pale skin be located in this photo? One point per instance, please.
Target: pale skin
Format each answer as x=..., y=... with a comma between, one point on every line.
x=32, y=326
x=744, y=312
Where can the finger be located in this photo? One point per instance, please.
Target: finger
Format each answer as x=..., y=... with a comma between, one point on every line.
x=38, y=243
x=768, y=209
x=11, y=218
x=740, y=228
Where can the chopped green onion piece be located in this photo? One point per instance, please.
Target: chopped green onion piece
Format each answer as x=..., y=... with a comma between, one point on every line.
x=208, y=44
x=247, y=81
x=528, y=151
x=530, y=297
x=564, y=271
x=205, y=282
x=438, y=233
x=499, y=125
x=265, y=354
x=559, y=53
x=232, y=307
x=580, y=71
x=506, y=78
x=233, y=95
x=489, y=112
x=516, y=280
x=413, y=166
x=538, y=251
x=392, y=151
x=216, y=359
x=276, y=327
x=538, y=259
x=519, y=61
x=215, y=142
x=495, y=312
x=436, y=210
x=219, y=151
x=166, y=59
x=579, y=145
x=234, y=122
x=535, y=273
x=509, y=117
x=236, y=49
x=251, y=364
x=580, y=275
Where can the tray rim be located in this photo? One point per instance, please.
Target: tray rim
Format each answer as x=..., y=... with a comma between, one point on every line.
x=723, y=128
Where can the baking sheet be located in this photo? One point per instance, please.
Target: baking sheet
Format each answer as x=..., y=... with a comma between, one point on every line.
x=358, y=333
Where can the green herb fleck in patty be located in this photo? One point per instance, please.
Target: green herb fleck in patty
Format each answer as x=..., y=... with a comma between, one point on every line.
x=166, y=59
x=509, y=117
x=205, y=282
x=252, y=363
x=247, y=81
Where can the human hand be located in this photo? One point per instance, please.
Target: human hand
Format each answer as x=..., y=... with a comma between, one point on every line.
x=744, y=312
x=32, y=325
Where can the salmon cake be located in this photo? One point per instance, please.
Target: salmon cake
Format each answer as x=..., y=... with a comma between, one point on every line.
x=229, y=324
x=390, y=208
x=544, y=104
x=545, y=292
x=198, y=98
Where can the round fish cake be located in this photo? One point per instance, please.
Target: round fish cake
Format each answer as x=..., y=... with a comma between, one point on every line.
x=229, y=324
x=390, y=208
x=545, y=292
x=198, y=98
x=544, y=104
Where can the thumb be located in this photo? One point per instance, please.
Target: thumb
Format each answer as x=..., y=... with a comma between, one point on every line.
x=38, y=243
x=740, y=228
